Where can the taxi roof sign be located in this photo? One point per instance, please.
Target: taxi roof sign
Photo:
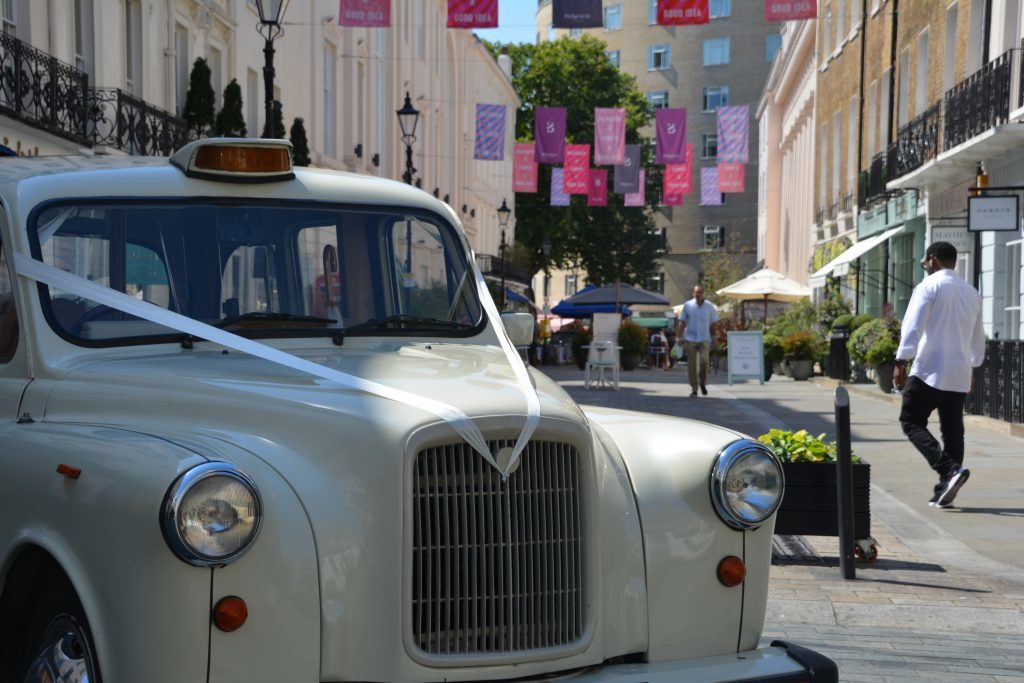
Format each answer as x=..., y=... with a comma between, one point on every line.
x=240, y=160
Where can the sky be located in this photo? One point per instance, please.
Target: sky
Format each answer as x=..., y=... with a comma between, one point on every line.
x=516, y=23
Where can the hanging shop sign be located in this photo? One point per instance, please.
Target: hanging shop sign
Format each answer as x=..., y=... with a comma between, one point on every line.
x=995, y=214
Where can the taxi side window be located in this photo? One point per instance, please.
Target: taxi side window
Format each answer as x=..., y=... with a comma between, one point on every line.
x=8, y=313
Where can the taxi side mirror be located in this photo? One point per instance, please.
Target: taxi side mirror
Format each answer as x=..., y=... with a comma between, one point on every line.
x=519, y=327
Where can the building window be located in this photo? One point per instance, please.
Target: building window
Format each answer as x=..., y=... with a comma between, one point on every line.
x=837, y=160
x=180, y=65
x=713, y=237
x=826, y=35
x=720, y=8
x=840, y=23
x=657, y=99
x=656, y=283
x=614, y=56
x=330, y=78
x=133, y=49
x=659, y=57
x=575, y=32
x=716, y=51
x=715, y=96
x=216, y=77
x=1012, y=293
x=903, y=93
x=83, y=36
x=709, y=146
x=851, y=147
x=10, y=19
x=949, y=49
x=921, y=96
x=772, y=45
x=571, y=284
x=613, y=17
x=652, y=12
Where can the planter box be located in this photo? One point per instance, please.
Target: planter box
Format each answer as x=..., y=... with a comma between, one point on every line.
x=810, y=504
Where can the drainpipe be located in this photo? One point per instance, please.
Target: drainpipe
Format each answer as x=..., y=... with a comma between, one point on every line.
x=892, y=73
x=981, y=176
x=860, y=113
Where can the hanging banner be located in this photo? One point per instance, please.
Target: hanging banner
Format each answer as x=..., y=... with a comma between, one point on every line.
x=577, y=169
x=687, y=183
x=675, y=179
x=559, y=197
x=598, y=194
x=472, y=13
x=365, y=13
x=671, y=199
x=683, y=12
x=730, y=178
x=638, y=198
x=709, y=194
x=524, y=168
x=609, y=136
x=670, y=125
x=576, y=14
x=490, y=132
x=781, y=10
x=733, y=134
x=549, y=133
x=627, y=174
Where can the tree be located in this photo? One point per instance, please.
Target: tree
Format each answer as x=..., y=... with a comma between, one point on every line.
x=300, y=145
x=230, y=122
x=199, y=103
x=278, y=130
x=614, y=242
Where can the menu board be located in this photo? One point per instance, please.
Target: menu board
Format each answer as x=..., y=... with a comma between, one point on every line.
x=746, y=356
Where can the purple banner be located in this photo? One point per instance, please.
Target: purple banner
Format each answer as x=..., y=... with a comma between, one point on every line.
x=671, y=136
x=549, y=133
x=734, y=134
x=609, y=136
x=709, y=194
x=365, y=13
x=490, y=132
x=559, y=197
x=638, y=198
x=627, y=174
x=576, y=14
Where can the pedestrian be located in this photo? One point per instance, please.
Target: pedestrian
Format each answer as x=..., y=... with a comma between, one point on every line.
x=697, y=321
x=943, y=335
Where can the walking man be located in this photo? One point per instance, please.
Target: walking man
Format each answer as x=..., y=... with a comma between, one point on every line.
x=696, y=323
x=942, y=333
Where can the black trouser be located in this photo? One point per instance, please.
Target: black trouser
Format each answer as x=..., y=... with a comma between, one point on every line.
x=919, y=402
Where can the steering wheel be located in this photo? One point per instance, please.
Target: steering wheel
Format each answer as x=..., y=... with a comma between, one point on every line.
x=99, y=312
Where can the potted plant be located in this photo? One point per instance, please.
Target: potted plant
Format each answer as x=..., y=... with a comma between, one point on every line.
x=772, y=354
x=799, y=351
x=859, y=369
x=874, y=343
x=581, y=337
x=633, y=340
x=811, y=501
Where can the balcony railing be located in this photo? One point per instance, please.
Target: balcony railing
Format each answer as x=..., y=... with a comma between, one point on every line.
x=119, y=119
x=848, y=204
x=833, y=211
x=981, y=101
x=872, y=182
x=999, y=382
x=42, y=91
x=492, y=265
x=916, y=143
x=819, y=218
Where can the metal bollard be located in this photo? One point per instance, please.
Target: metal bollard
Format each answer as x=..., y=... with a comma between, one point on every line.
x=844, y=484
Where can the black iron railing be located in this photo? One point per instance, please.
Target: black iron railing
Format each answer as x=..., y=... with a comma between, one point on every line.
x=819, y=218
x=833, y=211
x=848, y=205
x=42, y=91
x=916, y=143
x=872, y=181
x=491, y=265
x=999, y=382
x=119, y=119
x=979, y=102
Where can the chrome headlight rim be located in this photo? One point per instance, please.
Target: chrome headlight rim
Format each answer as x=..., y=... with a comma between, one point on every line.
x=172, y=504
x=724, y=462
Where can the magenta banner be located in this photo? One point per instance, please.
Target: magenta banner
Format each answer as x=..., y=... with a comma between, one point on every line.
x=671, y=199
x=683, y=12
x=671, y=136
x=577, y=169
x=576, y=14
x=524, y=168
x=730, y=178
x=638, y=198
x=549, y=134
x=609, y=136
x=365, y=13
x=627, y=174
x=688, y=171
x=675, y=179
x=559, y=197
x=472, y=13
x=783, y=10
x=598, y=195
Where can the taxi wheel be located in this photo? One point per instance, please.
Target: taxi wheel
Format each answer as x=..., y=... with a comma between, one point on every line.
x=62, y=647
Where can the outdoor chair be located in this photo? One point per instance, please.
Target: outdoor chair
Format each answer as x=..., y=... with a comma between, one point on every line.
x=602, y=356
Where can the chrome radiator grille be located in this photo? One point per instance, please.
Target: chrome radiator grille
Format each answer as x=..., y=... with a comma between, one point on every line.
x=497, y=566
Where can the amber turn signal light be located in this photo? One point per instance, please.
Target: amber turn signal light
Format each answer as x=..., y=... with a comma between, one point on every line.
x=230, y=613
x=240, y=159
x=731, y=571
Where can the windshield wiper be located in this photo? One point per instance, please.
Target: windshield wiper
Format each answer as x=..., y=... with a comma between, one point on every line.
x=409, y=322
x=259, y=316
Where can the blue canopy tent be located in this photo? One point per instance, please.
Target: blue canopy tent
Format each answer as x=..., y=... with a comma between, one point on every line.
x=564, y=310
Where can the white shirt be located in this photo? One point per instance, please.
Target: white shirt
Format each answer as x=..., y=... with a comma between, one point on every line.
x=698, y=320
x=942, y=332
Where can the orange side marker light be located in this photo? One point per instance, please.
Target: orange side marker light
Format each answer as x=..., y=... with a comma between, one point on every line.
x=731, y=571
x=69, y=471
x=230, y=613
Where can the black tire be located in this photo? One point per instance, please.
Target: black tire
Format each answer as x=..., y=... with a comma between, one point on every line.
x=58, y=619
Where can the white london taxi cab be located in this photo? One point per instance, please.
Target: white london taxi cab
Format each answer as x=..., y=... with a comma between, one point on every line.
x=260, y=423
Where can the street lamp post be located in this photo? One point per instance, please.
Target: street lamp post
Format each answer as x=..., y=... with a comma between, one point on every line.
x=408, y=117
x=503, y=215
x=271, y=28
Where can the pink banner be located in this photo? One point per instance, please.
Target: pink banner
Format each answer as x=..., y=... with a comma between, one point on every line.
x=577, y=169
x=472, y=13
x=730, y=178
x=687, y=183
x=637, y=198
x=683, y=12
x=675, y=179
x=671, y=199
x=782, y=10
x=609, y=136
x=365, y=13
x=598, y=194
x=670, y=136
x=524, y=168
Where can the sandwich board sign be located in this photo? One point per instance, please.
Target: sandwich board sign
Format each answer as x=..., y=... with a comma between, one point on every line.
x=746, y=356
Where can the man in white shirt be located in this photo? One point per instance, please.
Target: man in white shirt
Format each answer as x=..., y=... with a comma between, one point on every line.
x=942, y=333
x=696, y=323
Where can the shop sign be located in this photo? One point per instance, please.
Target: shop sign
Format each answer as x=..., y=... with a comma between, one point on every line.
x=993, y=214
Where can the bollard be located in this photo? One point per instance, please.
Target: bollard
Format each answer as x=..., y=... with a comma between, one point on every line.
x=844, y=484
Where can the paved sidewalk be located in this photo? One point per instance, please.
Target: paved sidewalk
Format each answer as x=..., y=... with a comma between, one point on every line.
x=944, y=601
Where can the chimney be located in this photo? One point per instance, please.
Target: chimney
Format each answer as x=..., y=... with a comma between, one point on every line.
x=505, y=63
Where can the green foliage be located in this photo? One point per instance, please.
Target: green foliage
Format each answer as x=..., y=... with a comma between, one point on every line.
x=724, y=267
x=796, y=447
x=230, y=122
x=580, y=338
x=798, y=316
x=860, y=319
x=842, y=320
x=300, y=145
x=803, y=345
x=875, y=342
x=832, y=308
x=278, y=130
x=199, y=100
x=632, y=339
x=612, y=243
x=772, y=348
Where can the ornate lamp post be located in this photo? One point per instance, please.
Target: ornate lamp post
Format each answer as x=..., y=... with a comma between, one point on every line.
x=408, y=117
x=503, y=215
x=271, y=28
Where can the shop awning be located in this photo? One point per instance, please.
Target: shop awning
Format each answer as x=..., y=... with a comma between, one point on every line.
x=840, y=265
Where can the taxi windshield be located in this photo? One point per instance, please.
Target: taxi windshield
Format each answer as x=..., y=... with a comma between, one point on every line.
x=257, y=269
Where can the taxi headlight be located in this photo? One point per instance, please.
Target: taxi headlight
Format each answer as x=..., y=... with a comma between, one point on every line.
x=746, y=484
x=211, y=514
